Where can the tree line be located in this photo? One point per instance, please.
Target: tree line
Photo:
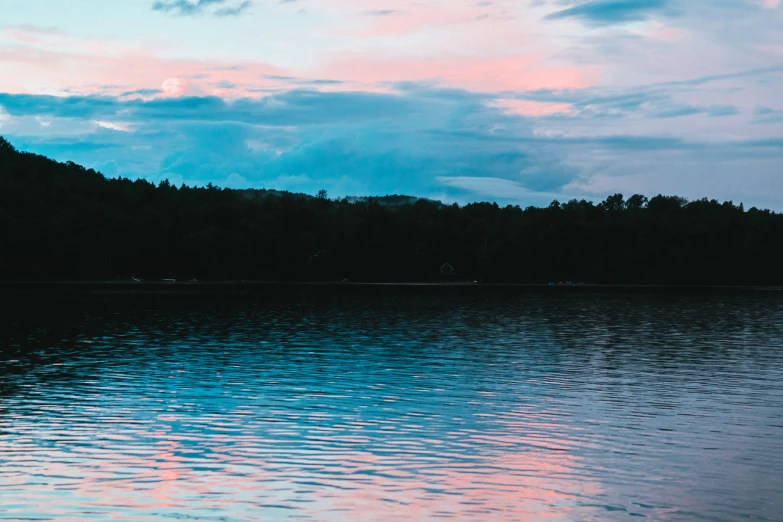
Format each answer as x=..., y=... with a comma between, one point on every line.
x=60, y=221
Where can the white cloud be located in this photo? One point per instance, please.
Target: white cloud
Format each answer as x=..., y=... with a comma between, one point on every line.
x=115, y=126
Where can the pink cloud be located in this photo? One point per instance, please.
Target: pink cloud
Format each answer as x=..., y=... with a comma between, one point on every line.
x=395, y=22
x=514, y=73
x=665, y=33
x=80, y=66
x=55, y=63
x=532, y=108
x=472, y=47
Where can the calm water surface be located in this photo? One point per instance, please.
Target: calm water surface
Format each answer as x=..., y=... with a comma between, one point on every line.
x=401, y=406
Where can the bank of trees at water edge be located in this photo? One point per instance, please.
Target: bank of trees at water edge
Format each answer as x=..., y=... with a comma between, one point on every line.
x=62, y=221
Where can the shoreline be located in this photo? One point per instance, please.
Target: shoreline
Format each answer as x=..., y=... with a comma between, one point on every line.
x=519, y=287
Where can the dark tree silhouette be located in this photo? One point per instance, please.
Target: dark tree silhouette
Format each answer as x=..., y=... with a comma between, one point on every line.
x=62, y=221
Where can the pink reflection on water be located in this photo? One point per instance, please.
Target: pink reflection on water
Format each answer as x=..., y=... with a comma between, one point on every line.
x=521, y=470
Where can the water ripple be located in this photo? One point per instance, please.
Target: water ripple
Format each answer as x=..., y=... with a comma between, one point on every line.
x=394, y=408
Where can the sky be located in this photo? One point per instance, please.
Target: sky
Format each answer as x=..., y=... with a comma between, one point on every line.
x=514, y=101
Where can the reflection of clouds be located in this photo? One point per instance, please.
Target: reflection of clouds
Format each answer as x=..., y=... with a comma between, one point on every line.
x=424, y=466
x=462, y=409
x=239, y=478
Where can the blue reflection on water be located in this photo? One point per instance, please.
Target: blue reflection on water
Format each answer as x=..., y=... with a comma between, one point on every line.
x=394, y=407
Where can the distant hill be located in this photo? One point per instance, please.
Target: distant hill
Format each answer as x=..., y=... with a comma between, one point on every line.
x=264, y=193
x=62, y=221
x=384, y=201
x=390, y=201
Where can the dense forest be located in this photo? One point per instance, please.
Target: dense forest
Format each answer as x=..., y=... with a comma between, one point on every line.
x=60, y=221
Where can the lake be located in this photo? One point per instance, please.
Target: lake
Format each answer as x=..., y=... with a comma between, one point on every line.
x=388, y=404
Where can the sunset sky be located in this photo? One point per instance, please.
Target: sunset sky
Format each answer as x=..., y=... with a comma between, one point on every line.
x=519, y=101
